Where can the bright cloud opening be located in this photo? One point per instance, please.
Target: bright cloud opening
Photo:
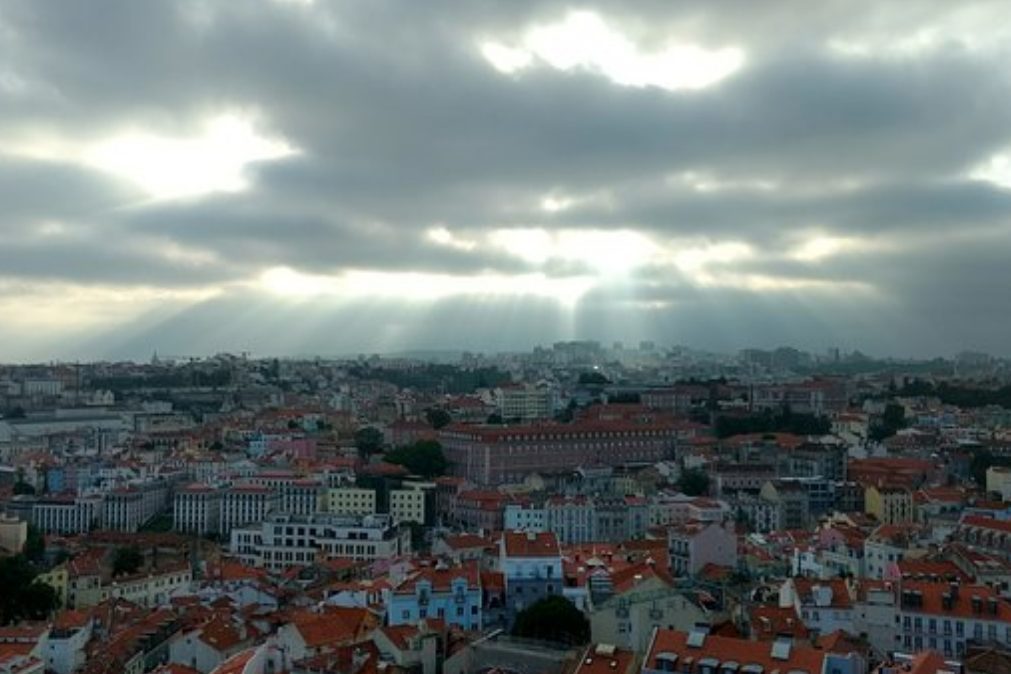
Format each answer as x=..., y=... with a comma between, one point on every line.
x=584, y=41
x=996, y=170
x=443, y=237
x=173, y=167
x=608, y=252
x=421, y=287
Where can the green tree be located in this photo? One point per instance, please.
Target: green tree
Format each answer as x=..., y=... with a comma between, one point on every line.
x=593, y=378
x=126, y=560
x=553, y=618
x=694, y=482
x=423, y=458
x=438, y=417
x=893, y=419
x=983, y=459
x=495, y=418
x=368, y=440
x=35, y=544
x=22, y=597
x=22, y=487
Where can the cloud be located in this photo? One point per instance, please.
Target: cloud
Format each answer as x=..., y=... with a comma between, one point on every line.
x=767, y=172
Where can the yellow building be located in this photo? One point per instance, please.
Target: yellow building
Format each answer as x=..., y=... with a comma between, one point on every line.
x=407, y=505
x=57, y=578
x=351, y=501
x=13, y=534
x=890, y=505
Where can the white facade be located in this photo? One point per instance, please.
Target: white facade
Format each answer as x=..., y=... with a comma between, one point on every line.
x=127, y=509
x=526, y=403
x=65, y=650
x=70, y=516
x=285, y=540
x=197, y=509
x=244, y=505
x=302, y=497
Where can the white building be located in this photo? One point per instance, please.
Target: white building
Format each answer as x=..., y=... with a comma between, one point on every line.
x=58, y=514
x=67, y=640
x=129, y=508
x=283, y=540
x=520, y=517
x=301, y=497
x=245, y=504
x=526, y=402
x=692, y=545
x=197, y=509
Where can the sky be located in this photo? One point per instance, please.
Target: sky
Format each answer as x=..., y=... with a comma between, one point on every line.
x=292, y=177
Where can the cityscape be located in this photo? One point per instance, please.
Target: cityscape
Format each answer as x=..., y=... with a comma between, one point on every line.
x=505, y=337
x=580, y=503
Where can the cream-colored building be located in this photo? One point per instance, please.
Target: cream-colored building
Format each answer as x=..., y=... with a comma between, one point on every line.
x=627, y=617
x=407, y=505
x=13, y=534
x=998, y=481
x=351, y=501
x=890, y=505
x=147, y=590
x=57, y=578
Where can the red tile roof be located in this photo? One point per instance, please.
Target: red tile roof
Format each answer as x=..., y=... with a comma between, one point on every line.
x=728, y=649
x=768, y=622
x=987, y=523
x=529, y=544
x=601, y=659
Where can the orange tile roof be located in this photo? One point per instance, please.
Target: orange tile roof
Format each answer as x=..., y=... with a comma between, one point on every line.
x=962, y=606
x=987, y=523
x=605, y=660
x=523, y=544
x=768, y=622
x=729, y=649
x=442, y=580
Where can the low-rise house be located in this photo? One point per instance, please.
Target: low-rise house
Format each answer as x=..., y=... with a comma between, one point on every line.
x=888, y=545
x=692, y=545
x=531, y=564
x=452, y=595
x=696, y=652
x=310, y=634
x=207, y=646
x=643, y=599
x=416, y=647
x=823, y=605
x=605, y=658
x=71, y=632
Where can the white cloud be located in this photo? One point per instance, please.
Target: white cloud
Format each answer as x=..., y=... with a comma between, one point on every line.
x=583, y=40
x=996, y=170
x=173, y=167
x=610, y=253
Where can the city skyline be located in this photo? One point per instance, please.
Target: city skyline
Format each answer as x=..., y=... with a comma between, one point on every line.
x=294, y=177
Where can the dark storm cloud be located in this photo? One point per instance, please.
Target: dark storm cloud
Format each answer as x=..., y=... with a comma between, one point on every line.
x=402, y=127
